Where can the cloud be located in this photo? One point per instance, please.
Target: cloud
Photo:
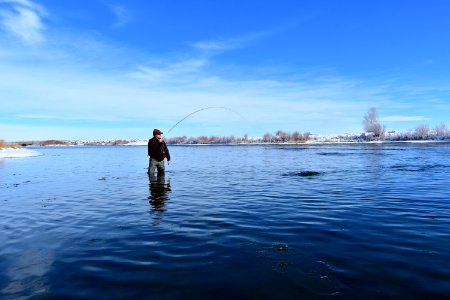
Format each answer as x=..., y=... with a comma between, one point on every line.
x=23, y=19
x=165, y=72
x=221, y=44
x=121, y=13
x=403, y=118
x=224, y=44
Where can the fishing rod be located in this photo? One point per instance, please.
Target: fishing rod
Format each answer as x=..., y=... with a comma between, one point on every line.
x=199, y=110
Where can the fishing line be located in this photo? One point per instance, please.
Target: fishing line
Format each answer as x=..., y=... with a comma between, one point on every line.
x=199, y=110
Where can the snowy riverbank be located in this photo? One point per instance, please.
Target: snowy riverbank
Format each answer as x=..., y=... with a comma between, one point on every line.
x=12, y=152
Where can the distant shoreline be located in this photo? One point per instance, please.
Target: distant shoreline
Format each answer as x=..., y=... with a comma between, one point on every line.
x=248, y=144
x=421, y=135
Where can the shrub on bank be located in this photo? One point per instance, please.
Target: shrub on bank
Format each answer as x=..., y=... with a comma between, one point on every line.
x=4, y=144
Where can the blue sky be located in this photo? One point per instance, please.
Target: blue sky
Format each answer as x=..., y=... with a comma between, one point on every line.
x=117, y=69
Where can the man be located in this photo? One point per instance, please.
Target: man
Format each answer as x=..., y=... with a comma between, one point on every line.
x=157, y=151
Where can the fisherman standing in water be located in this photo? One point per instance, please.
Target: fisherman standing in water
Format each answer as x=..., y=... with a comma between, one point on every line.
x=157, y=151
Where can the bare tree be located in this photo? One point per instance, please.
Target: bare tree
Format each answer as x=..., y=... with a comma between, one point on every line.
x=213, y=140
x=230, y=139
x=422, y=131
x=202, y=139
x=296, y=136
x=441, y=131
x=52, y=142
x=371, y=123
x=120, y=142
x=267, y=137
x=282, y=135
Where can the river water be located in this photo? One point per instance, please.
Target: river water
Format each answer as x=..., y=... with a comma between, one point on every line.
x=228, y=222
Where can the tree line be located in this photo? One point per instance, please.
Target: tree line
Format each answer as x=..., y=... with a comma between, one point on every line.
x=279, y=136
x=374, y=130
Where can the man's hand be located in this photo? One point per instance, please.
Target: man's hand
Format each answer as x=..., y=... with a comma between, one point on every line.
x=168, y=162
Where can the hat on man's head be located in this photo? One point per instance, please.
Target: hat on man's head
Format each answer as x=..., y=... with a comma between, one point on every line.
x=156, y=132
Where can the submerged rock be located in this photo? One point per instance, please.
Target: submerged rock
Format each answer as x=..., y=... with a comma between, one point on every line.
x=307, y=173
x=303, y=174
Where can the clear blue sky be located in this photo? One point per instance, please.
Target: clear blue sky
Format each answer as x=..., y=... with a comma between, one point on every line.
x=117, y=69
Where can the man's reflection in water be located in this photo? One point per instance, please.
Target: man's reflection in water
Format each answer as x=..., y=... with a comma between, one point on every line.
x=159, y=190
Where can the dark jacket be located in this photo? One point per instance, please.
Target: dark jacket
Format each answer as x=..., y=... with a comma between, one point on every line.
x=158, y=150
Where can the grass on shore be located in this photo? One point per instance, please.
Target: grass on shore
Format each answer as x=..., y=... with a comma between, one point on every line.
x=4, y=144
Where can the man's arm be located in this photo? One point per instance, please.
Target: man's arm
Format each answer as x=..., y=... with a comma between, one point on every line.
x=166, y=150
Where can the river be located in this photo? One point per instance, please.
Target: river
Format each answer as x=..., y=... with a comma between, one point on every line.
x=359, y=221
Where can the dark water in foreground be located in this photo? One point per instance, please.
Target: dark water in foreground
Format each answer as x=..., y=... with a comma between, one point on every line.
x=230, y=222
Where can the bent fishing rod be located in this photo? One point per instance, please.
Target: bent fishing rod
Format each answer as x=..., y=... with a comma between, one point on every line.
x=199, y=110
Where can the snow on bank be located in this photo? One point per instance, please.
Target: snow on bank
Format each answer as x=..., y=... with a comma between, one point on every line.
x=427, y=141
x=11, y=152
x=137, y=143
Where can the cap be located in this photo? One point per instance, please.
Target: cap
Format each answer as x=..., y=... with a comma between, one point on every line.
x=156, y=132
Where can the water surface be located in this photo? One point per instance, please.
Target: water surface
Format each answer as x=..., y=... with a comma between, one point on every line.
x=228, y=222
